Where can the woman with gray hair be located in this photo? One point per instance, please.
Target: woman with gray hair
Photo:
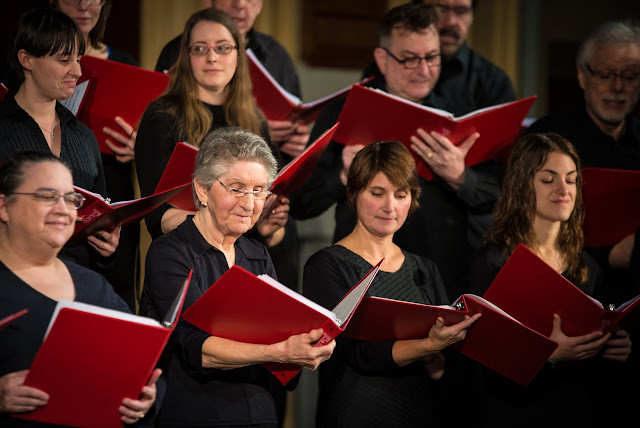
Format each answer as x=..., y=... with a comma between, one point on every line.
x=213, y=381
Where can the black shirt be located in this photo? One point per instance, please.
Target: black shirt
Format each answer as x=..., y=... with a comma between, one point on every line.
x=197, y=396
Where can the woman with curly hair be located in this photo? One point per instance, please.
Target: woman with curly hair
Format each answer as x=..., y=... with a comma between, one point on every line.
x=540, y=205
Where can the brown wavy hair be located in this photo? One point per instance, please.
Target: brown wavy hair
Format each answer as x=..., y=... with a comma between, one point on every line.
x=181, y=97
x=515, y=208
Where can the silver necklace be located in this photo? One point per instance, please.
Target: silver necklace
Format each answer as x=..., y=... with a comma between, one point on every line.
x=53, y=128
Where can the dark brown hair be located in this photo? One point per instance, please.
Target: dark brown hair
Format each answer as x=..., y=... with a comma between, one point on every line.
x=391, y=158
x=515, y=208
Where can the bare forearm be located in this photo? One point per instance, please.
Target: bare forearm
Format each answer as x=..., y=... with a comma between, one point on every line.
x=173, y=218
x=405, y=352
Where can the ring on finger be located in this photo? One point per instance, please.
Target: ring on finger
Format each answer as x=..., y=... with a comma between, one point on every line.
x=430, y=155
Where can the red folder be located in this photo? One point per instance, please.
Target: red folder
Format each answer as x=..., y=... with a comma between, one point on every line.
x=532, y=291
x=278, y=104
x=92, y=358
x=3, y=91
x=245, y=308
x=98, y=214
x=496, y=340
x=372, y=115
x=117, y=89
x=612, y=205
x=4, y=322
x=178, y=172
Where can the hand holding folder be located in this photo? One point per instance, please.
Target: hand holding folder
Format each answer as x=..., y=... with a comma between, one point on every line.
x=257, y=309
x=372, y=115
x=89, y=348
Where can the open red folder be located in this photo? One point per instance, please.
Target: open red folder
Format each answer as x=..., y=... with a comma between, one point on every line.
x=612, y=205
x=98, y=214
x=179, y=171
x=373, y=115
x=496, y=340
x=116, y=89
x=278, y=104
x=92, y=358
x=532, y=291
x=4, y=322
x=258, y=309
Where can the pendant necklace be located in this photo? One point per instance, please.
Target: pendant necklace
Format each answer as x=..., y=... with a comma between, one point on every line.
x=53, y=128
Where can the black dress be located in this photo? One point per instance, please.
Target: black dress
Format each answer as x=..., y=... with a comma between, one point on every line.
x=561, y=394
x=361, y=385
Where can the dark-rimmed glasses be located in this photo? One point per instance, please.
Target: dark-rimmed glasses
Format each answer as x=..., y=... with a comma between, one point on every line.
x=240, y=193
x=50, y=197
x=88, y=2
x=414, y=61
x=459, y=11
x=201, y=49
x=627, y=77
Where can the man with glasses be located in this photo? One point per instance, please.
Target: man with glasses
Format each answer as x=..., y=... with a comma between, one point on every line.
x=607, y=136
x=467, y=81
x=408, y=57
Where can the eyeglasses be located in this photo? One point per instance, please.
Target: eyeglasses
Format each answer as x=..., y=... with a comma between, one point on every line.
x=414, y=61
x=50, y=197
x=459, y=11
x=627, y=77
x=200, y=49
x=88, y=2
x=239, y=193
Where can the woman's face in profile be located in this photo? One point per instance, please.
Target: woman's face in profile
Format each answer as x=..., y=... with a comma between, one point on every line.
x=555, y=187
x=212, y=71
x=382, y=206
x=55, y=76
x=33, y=221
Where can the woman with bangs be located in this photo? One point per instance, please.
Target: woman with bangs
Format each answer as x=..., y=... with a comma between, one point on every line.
x=381, y=384
x=209, y=89
x=45, y=56
x=540, y=205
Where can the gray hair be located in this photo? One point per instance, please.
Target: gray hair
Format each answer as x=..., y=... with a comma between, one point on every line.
x=626, y=31
x=225, y=146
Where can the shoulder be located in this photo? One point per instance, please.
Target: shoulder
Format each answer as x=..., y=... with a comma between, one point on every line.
x=266, y=43
x=122, y=56
x=93, y=288
x=562, y=123
x=252, y=248
x=480, y=64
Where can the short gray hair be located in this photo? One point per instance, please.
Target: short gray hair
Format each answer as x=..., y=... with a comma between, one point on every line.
x=626, y=31
x=225, y=146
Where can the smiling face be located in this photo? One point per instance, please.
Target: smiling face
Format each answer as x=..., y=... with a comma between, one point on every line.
x=411, y=84
x=609, y=101
x=85, y=17
x=40, y=225
x=53, y=77
x=212, y=72
x=382, y=207
x=555, y=187
x=233, y=216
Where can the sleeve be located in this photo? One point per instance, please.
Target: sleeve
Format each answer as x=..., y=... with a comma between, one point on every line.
x=485, y=265
x=154, y=145
x=481, y=185
x=323, y=188
x=326, y=281
x=165, y=271
x=99, y=184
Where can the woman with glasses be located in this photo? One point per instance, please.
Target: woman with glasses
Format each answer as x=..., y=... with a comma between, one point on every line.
x=212, y=381
x=38, y=211
x=210, y=88
x=46, y=55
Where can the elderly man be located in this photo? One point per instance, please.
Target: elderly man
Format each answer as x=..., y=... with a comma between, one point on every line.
x=408, y=57
x=607, y=136
x=291, y=138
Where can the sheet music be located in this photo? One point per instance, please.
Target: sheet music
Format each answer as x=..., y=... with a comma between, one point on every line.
x=73, y=102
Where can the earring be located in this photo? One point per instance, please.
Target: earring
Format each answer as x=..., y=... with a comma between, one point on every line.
x=204, y=204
